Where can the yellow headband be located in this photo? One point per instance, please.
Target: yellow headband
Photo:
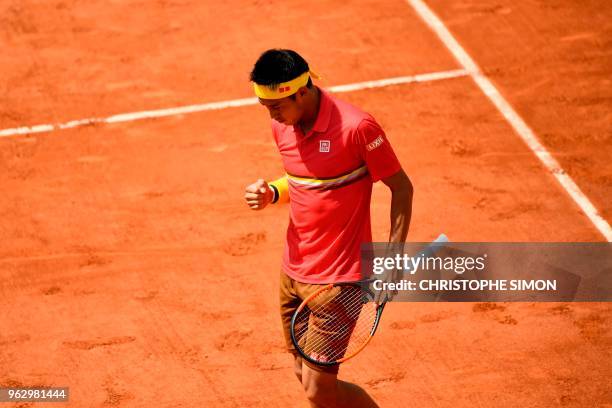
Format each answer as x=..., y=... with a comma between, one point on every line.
x=285, y=89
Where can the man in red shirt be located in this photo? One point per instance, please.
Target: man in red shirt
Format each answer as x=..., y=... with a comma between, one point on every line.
x=332, y=153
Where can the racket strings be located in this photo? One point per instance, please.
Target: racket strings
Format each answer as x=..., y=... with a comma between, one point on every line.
x=348, y=319
x=334, y=347
x=346, y=333
x=357, y=335
x=336, y=322
x=331, y=332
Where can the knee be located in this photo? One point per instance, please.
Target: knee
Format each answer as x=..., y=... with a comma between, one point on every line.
x=320, y=394
x=320, y=388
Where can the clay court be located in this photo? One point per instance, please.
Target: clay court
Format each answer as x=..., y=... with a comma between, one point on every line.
x=132, y=271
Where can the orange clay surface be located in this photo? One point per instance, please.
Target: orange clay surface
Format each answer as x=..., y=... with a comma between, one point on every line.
x=132, y=272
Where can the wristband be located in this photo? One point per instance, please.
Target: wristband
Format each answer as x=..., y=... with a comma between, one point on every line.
x=280, y=188
x=275, y=194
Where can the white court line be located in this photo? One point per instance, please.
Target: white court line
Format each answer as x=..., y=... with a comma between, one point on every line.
x=519, y=125
x=182, y=110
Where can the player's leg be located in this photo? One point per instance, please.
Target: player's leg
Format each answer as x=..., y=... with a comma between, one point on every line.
x=329, y=328
x=324, y=390
x=289, y=302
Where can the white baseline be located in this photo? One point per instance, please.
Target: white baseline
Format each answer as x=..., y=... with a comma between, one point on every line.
x=182, y=110
x=517, y=123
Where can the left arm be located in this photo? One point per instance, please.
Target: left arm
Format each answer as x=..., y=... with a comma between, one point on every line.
x=401, y=205
x=376, y=151
x=383, y=165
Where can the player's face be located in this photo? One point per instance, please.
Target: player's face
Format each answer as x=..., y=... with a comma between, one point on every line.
x=286, y=110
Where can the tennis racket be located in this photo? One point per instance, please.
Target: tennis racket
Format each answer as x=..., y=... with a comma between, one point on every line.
x=338, y=320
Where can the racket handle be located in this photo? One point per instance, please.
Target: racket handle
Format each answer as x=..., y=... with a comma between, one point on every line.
x=434, y=246
x=442, y=238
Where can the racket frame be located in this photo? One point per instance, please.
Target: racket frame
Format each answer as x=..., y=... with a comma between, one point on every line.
x=440, y=241
x=362, y=286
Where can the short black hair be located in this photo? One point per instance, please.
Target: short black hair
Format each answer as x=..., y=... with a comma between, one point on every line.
x=276, y=66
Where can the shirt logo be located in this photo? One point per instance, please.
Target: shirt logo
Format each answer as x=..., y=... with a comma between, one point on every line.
x=373, y=145
x=324, y=146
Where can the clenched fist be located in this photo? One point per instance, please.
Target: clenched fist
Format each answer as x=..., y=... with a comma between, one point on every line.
x=258, y=195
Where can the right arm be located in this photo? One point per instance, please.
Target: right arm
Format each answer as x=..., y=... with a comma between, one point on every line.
x=259, y=194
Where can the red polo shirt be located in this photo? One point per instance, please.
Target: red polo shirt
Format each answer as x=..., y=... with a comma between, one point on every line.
x=330, y=171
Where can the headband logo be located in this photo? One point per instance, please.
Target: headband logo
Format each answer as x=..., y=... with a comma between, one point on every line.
x=284, y=89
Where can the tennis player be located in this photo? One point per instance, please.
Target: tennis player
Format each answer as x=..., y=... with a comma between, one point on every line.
x=332, y=153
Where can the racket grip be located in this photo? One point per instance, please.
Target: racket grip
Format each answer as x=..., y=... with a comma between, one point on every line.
x=435, y=246
x=432, y=248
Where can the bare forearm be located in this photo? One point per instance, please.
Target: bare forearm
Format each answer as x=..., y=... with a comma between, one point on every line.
x=401, y=213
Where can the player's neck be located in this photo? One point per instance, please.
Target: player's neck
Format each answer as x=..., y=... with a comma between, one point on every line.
x=311, y=112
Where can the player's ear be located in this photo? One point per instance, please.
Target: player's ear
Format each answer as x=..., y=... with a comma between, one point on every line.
x=301, y=92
